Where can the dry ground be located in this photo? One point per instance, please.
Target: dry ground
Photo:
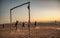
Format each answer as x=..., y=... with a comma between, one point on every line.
x=35, y=32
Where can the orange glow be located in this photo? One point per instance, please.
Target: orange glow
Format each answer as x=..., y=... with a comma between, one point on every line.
x=38, y=19
x=45, y=19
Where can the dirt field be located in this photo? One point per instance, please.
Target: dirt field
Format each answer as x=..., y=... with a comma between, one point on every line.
x=39, y=31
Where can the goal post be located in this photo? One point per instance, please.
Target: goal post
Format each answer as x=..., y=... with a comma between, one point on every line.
x=28, y=14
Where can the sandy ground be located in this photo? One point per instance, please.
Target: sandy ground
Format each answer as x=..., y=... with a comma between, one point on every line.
x=35, y=32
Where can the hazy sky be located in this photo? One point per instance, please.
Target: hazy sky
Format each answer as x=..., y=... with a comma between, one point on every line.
x=42, y=11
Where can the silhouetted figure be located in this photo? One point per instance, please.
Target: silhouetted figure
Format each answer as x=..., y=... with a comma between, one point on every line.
x=3, y=25
x=35, y=24
x=23, y=24
x=56, y=22
x=16, y=24
x=28, y=25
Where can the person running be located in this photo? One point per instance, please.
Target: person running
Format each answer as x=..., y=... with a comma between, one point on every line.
x=16, y=24
x=23, y=24
x=3, y=25
x=35, y=24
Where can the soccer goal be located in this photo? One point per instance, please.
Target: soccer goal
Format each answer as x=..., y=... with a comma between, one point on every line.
x=28, y=7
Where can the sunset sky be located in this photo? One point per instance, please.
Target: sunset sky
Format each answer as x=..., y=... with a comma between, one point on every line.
x=41, y=10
